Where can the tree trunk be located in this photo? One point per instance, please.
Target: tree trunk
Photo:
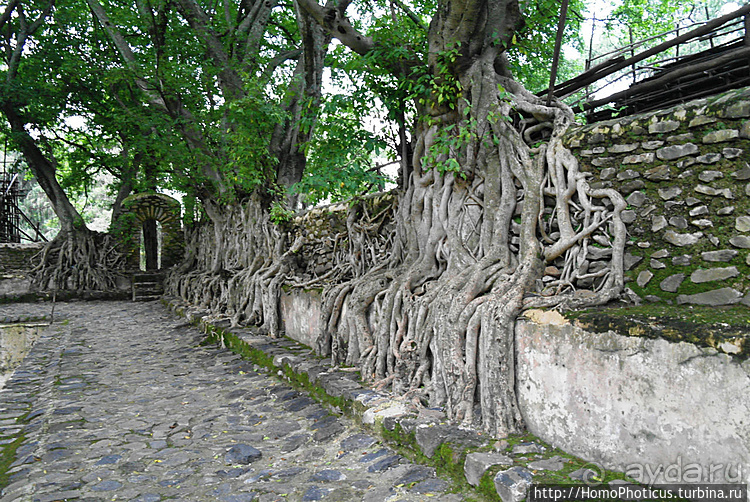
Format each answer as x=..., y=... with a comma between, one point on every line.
x=481, y=215
x=77, y=258
x=431, y=309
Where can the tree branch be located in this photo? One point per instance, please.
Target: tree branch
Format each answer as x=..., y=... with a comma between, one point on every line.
x=338, y=26
x=229, y=80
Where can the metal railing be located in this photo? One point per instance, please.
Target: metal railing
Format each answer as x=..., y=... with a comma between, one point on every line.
x=666, y=69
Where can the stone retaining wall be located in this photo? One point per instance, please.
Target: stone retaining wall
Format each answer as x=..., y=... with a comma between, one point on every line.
x=325, y=230
x=17, y=257
x=15, y=261
x=685, y=174
x=627, y=403
x=633, y=404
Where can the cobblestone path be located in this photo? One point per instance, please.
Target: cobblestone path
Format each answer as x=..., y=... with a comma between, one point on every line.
x=120, y=402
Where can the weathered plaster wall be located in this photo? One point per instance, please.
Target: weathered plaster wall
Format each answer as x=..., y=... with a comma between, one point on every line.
x=300, y=313
x=630, y=402
x=626, y=403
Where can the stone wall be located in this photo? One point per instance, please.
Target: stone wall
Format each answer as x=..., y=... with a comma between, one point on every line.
x=325, y=229
x=685, y=174
x=15, y=261
x=633, y=404
x=625, y=403
x=17, y=257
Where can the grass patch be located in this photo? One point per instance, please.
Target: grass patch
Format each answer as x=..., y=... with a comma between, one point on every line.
x=701, y=325
x=7, y=457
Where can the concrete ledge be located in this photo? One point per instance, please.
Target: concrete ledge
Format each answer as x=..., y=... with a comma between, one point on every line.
x=497, y=469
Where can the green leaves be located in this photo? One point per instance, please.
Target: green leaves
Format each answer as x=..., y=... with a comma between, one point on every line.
x=341, y=155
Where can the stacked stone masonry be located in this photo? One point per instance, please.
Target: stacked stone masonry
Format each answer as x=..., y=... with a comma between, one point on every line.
x=17, y=257
x=326, y=236
x=685, y=174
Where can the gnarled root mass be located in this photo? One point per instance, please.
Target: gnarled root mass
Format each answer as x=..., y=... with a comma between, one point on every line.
x=429, y=309
x=78, y=260
x=235, y=266
x=436, y=322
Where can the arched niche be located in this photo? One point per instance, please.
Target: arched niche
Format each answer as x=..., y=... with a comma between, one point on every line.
x=141, y=218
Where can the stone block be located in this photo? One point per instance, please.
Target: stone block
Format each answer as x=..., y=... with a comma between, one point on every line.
x=707, y=190
x=597, y=138
x=658, y=223
x=736, y=110
x=709, y=158
x=636, y=198
x=740, y=241
x=681, y=138
x=722, y=255
x=623, y=148
x=672, y=283
x=725, y=211
x=731, y=153
x=641, y=158
x=631, y=260
x=662, y=127
x=512, y=484
x=682, y=260
x=713, y=274
x=676, y=151
x=702, y=120
x=709, y=176
x=644, y=278
x=602, y=161
x=628, y=216
x=476, y=465
x=698, y=211
x=742, y=223
x=721, y=136
x=703, y=223
x=658, y=173
x=669, y=193
x=717, y=297
x=678, y=222
x=430, y=437
x=682, y=240
x=652, y=145
x=631, y=186
x=743, y=174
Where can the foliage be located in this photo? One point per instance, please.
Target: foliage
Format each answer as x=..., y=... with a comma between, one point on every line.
x=251, y=120
x=341, y=153
x=531, y=57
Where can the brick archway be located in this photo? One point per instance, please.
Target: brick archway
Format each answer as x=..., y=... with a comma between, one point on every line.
x=140, y=212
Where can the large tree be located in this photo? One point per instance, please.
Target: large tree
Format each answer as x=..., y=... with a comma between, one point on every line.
x=492, y=198
x=39, y=76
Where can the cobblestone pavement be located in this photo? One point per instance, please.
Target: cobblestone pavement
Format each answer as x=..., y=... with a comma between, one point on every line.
x=120, y=402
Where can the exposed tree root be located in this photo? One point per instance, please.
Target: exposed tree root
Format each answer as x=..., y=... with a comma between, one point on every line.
x=78, y=260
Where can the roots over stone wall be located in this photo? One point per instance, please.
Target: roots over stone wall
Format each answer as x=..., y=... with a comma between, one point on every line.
x=423, y=297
